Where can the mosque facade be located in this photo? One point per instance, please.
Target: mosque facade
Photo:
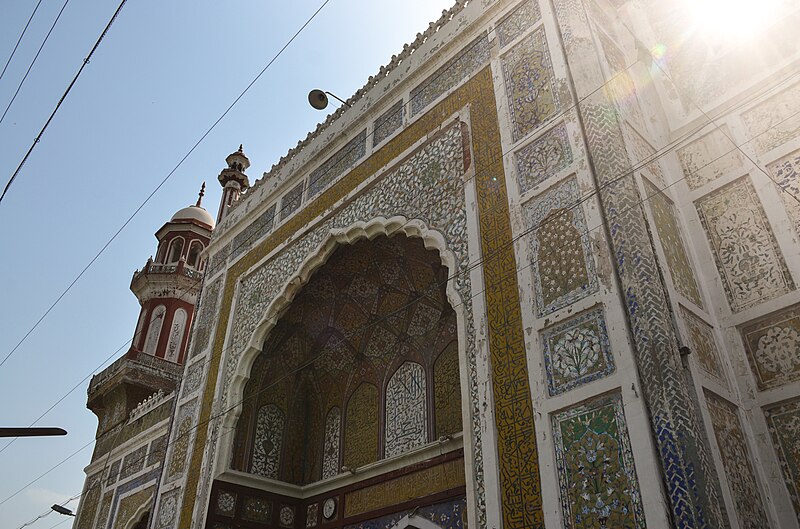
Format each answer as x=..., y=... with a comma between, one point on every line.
x=539, y=272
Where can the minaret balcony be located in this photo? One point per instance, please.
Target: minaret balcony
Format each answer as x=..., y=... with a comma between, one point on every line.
x=171, y=280
x=135, y=370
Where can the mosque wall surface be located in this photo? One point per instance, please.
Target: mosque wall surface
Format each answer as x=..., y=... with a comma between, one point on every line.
x=593, y=223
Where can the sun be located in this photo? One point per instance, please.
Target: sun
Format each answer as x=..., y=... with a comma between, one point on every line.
x=727, y=20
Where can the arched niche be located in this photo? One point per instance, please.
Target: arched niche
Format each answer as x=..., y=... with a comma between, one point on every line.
x=374, y=298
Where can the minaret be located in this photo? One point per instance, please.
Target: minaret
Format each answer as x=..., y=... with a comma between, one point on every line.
x=167, y=288
x=233, y=181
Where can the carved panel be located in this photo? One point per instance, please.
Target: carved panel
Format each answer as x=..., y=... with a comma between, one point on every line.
x=596, y=473
x=577, y=352
x=133, y=462
x=290, y=202
x=563, y=267
x=154, y=330
x=337, y=164
x=709, y=157
x=333, y=433
x=268, y=441
x=786, y=173
x=89, y=501
x=784, y=425
x=176, y=335
x=226, y=503
x=517, y=21
x=180, y=443
x=467, y=62
x=529, y=79
x=543, y=157
x=167, y=509
x=418, y=484
x=388, y=122
x=361, y=427
x=669, y=232
x=406, y=417
x=736, y=461
x=205, y=322
x=772, y=344
x=257, y=510
x=704, y=345
x=447, y=392
x=252, y=232
x=776, y=120
x=745, y=250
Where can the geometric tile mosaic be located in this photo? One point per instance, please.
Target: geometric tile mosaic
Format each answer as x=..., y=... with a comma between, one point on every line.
x=529, y=81
x=772, y=344
x=669, y=232
x=517, y=21
x=563, y=267
x=736, y=461
x=783, y=421
x=747, y=255
x=577, y=351
x=597, y=477
x=543, y=157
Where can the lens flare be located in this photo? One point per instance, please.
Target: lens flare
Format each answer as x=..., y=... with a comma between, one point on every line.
x=733, y=19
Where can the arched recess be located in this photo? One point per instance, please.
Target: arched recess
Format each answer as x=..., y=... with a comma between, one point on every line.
x=175, y=250
x=193, y=257
x=273, y=328
x=176, y=333
x=154, y=329
x=140, y=518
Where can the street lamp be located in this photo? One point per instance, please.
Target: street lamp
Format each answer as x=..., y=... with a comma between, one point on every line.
x=319, y=99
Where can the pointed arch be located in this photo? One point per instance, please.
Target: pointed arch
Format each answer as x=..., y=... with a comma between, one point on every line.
x=412, y=229
x=154, y=330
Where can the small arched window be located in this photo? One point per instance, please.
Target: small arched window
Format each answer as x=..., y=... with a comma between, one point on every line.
x=194, y=253
x=161, y=254
x=154, y=329
x=175, y=250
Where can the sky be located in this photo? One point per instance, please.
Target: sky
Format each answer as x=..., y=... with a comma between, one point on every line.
x=164, y=73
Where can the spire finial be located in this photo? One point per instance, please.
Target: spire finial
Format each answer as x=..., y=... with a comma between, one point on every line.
x=200, y=195
x=240, y=148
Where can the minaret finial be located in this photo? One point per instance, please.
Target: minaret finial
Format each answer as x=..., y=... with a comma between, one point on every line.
x=240, y=148
x=200, y=195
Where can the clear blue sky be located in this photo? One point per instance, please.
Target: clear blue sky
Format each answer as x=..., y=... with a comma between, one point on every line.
x=165, y=72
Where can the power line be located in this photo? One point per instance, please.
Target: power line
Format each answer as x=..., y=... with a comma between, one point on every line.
x=63, y=97
x=19, y=86
x=146, y=200
x=20, y=39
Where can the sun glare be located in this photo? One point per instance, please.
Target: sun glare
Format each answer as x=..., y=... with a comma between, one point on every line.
x=732, y=19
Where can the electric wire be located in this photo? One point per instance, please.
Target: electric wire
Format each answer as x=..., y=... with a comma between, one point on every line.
x=36, y=8
x=61, y=101
x=30, y=67
x=469, y=268
x=139, y=208
x=525, y=232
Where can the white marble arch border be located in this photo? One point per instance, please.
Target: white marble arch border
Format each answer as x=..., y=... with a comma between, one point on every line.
x=360, y=230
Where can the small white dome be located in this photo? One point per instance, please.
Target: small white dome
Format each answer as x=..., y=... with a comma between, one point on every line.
x=194, y=213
